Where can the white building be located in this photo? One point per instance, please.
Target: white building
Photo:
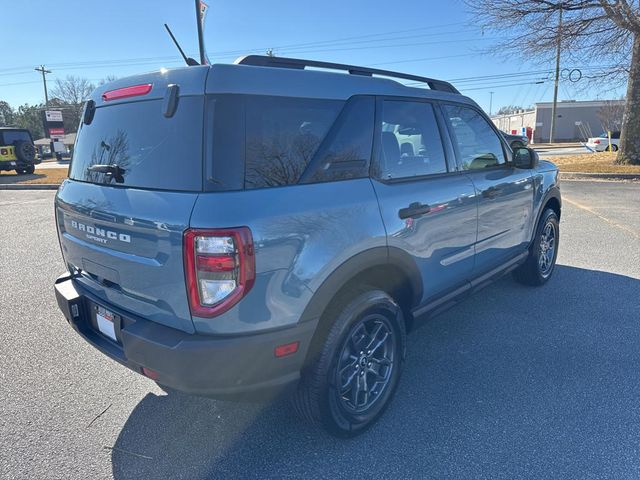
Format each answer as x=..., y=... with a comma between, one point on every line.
x=576, y=121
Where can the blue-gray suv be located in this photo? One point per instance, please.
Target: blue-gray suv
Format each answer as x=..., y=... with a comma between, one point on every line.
x=278, y=225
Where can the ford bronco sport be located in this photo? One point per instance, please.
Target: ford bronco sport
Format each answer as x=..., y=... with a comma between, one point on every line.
x=17, y=151
x=266, y=227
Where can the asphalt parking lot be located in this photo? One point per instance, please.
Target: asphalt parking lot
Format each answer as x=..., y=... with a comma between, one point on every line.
x=514, y=382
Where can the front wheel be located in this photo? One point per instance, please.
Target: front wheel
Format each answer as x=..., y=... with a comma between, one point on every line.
x=355, y=373
x=541, y=262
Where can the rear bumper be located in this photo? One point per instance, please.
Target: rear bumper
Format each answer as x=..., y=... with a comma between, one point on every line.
x=205, y=365
x=13, y=164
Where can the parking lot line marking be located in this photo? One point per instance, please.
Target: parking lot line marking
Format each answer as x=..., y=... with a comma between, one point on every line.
x=623, y=227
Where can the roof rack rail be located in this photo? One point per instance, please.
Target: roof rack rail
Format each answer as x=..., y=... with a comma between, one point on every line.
x=299, y=64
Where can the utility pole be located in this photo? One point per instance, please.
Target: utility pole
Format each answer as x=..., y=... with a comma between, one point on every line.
x=557, y=81
x=490, y=102
x=44, y=71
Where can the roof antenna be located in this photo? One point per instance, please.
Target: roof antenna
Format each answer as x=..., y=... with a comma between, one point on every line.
x=189, y=61
x=201, y=13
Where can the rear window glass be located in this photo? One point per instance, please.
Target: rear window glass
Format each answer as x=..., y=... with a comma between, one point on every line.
x=151, y=151
x=7, y=137
x=282, y=136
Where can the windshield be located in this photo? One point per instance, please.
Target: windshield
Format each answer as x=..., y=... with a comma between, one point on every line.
x=10, y=136
x=150, y=150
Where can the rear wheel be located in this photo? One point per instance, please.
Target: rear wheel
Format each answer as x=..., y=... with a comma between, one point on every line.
x=354, y=376
x=612, y=148
x=543, y=252
x=30, y=169
x=20, y=171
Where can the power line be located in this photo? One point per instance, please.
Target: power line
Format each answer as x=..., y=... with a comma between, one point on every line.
x=289, y=47
x=501, y=86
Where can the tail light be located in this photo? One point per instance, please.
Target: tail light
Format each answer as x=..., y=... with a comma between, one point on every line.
x=597, y=142
x=126, y=92
x=220, y=268
x=4, y=151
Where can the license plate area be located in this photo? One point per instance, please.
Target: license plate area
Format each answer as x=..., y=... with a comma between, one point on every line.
x=106, y=322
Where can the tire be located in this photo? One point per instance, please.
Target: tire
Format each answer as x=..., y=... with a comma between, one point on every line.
x=612, y=148
x=538, y=269
x=515, y=145
x=362, y=316
x=25, y=151
x=30, y=169
x=20, y=171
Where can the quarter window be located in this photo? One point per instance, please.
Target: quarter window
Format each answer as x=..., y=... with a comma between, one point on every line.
x=410, y=143
x=346, y=151
x=477, y=143
x=282, y=136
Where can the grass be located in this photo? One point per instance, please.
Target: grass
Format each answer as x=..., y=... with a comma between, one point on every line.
x=601, y=162
x=42, y=175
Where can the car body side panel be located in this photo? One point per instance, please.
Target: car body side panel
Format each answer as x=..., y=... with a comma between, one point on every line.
x=441, y=242
x=505, y=213
x=301, y=235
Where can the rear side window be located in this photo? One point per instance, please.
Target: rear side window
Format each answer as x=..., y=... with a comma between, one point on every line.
x=151, y=151
x=346, y=152
x=282, y=136
x=410, y=143
x=477, y=143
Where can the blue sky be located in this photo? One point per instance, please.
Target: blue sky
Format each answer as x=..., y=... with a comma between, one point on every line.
x=94, y=39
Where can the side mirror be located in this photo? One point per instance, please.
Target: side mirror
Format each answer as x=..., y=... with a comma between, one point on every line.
x=525, y=158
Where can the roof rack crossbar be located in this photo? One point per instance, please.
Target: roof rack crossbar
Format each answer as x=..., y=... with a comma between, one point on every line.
x=282, y=62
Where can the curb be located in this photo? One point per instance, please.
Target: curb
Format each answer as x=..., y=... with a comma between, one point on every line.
x=29, y=186
x=599, y=176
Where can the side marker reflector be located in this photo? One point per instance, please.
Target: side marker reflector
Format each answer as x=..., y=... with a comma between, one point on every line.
x=286, y=349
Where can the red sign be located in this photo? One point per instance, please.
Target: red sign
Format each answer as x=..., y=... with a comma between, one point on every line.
x=56, y=131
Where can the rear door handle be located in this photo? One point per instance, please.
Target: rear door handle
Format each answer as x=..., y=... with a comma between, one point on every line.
x=491, y=192
x=414, y=210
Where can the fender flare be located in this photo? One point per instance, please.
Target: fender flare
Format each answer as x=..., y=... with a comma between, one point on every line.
x=552, y=192
x=375, y=257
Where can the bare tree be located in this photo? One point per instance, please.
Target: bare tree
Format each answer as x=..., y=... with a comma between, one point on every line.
x=507, y=109
x=606, y=30
x=72, y=93
x=611, y=115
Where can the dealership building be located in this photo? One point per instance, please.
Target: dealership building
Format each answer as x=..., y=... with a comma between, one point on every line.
x=575, y=121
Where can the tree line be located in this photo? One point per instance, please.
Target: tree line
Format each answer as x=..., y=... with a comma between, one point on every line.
x=67, y=95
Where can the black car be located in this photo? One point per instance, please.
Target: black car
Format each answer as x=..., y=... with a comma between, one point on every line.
x=515, y=141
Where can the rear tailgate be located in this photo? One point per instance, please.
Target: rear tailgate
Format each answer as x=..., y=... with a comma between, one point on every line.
x=124, y=235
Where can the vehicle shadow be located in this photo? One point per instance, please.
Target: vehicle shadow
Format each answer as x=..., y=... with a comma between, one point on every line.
x=7, y=178
x=513, y=382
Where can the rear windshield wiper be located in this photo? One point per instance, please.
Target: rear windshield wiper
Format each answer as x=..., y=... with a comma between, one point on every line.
x=112, y=171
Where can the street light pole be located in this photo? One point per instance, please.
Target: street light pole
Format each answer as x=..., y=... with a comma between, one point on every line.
x=490, y=102
x=557, y=81
x=44, y=71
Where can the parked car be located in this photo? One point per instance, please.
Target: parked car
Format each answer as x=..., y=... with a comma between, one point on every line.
x=601, y=143
x=17, y=151
x=260, y=227
x=516, y=141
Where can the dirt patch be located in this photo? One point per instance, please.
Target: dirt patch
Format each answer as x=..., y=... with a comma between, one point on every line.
x=43, y=175
x=601, y=162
